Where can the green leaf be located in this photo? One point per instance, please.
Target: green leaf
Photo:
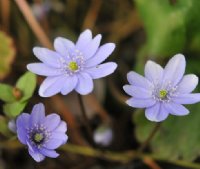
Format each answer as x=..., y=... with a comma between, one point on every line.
x=14, y=109
x=4, y=127
x=26, y=84
x=164, y=25
x=7, y=93
x=178, y=137
x=7, y=53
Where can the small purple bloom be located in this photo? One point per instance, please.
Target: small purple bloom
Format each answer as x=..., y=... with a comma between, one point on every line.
x=103, y=135
x=41, y=134
x=72, y=66
x=162, y=91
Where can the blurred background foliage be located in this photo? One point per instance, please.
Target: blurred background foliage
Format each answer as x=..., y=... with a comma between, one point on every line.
x=142, y=30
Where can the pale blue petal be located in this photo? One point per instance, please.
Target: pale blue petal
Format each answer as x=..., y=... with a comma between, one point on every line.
x=138, y=80
x=187, y=84
x=43, y=70
x=47, y=56
x=38, y=157
x=52, y=121
x=101, y=55
x=156, y=113
x=51, y=86
x=49, y=153
x=102, y=70
x=137, y=92
x=84, y=38
x=37, y=114
x=174, y=70
x=176, y=109
x=153, y=72
x=63, y=46
x=22, y=123
x=140, y=103
x=91, y=47
x=53, y=143
x=62, y=127
x=187, y=98
x=60, y=136
x=85, y=84
x=69, y=84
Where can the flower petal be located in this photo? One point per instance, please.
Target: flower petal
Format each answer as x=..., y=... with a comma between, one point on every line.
x=43, y=70
x=22, y=123
x=176, y=109
x=187, y=98
x=156, y=113
x=49, y=153
x=69, y=84
x=85, y=84
x=38, y=157
x=140, y=103
x=153, y=72
x=101, y=55
x=62, y=45
x=37, y=114
x=51, y=86
x=60, y=136
x=138, y=80
x=53, y=143
x=84, y=38
x=102, y=70
x=137, y=92
x=62, y=127
x=174, y=70
x=91, y=47
x=52, y=121
x=47, y=56
x=187, y=84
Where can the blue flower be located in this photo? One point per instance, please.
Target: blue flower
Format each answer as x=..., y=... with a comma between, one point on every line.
x=162, y=91
x=72, y=66
x=41, y=134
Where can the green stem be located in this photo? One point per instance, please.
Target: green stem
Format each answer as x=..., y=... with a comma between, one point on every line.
x=149, y=138
x=123, y=157
x=86, y=121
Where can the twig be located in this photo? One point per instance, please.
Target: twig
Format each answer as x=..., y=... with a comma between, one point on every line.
x=151, y=163
x=92, y=14
x=31, y=20
x=5, y=14
x=150, y=137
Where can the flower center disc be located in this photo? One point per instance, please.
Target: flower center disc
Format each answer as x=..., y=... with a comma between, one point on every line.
x=38, y=137
x=162, y=94
x=73, y=66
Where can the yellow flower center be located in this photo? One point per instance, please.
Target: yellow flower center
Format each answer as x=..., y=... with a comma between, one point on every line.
x=162, y=94
x=73, y=66
x=38, y=137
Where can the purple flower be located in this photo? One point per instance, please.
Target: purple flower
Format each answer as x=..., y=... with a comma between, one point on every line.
x=41, y=134
x=72, y=66
x=103, y=135
x=162, y=91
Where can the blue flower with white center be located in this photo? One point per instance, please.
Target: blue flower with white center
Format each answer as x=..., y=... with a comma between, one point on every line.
x=41, y=134
x=162, y=91
x=72, y=66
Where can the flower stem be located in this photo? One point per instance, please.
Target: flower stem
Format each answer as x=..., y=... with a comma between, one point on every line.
x=123, y=157
x=86, y=120
x=149, y=138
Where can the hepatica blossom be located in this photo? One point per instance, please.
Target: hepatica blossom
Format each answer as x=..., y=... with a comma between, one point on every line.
x=41, y=134
x=72, y=66
x=162, y=91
